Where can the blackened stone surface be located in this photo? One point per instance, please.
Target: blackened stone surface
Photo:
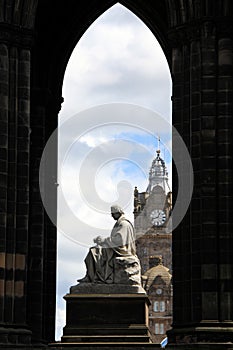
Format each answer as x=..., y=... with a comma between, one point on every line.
x=106, y=309
x=115, y=346
x=106, y=318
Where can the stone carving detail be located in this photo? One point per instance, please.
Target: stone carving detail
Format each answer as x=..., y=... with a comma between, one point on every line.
x=127, y=270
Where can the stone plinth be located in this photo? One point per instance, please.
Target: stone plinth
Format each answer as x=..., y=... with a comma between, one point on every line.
x=102, y=316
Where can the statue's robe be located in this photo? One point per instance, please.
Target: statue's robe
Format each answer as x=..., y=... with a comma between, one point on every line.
x=100, y=259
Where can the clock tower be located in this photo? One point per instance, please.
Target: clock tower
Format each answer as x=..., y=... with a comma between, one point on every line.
x=152, y=215
x=152, y=210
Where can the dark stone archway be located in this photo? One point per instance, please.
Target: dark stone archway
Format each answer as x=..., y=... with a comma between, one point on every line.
x=36, y=41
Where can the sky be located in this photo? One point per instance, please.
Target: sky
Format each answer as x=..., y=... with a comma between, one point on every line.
x=116, y=73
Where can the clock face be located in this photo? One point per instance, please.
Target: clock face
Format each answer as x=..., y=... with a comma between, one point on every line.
x=158, y=217
x=159, y=291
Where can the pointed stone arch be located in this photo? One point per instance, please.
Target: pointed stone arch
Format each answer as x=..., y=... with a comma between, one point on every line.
x=196, y=37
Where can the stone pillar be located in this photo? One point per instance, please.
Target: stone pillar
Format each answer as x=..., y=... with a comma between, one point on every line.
x=16, y=37
x=14, y=153
x=202, y=262
x=42, y=232
x=37, y=226
x=4, y=99
x=225, y=178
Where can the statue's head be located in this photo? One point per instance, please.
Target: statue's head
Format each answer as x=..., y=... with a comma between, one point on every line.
x=116, y=211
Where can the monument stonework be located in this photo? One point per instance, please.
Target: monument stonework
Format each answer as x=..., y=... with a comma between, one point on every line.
x=37, y=38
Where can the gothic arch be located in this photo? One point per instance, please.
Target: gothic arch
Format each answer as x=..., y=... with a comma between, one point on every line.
x=73, y=27
x=54, y=43
x=196, y=37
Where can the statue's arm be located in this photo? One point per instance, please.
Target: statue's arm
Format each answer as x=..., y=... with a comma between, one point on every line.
x=118, y=235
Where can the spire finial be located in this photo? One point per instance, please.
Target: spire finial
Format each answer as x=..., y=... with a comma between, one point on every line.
x=158, y=148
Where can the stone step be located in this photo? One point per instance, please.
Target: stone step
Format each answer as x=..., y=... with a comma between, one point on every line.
x=105, y=338
x=115, y=330
x=104, y=346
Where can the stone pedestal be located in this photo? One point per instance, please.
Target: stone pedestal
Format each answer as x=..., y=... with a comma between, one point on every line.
x=106, y=317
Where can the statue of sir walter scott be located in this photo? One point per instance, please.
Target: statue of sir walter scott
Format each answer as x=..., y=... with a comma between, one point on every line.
x=114, y=259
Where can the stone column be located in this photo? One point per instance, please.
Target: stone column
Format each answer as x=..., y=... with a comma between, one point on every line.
x=14, y=153
x=42, y=232
x=4, y=99
x=37, y=217
x=16, y=37
x=225, y=178
x=202, y=262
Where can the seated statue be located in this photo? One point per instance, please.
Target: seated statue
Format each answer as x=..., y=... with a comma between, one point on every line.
x=114, y=259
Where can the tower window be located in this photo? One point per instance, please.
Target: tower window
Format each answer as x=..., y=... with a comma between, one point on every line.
x=162, y=306
x=159, y=328
x=156, y=306
x=159, y=306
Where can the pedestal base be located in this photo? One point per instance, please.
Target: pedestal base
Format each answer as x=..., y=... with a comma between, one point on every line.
x=106, y=318
x=116, y=318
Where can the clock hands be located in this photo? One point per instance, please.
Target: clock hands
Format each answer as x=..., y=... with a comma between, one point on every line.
x=158, y=217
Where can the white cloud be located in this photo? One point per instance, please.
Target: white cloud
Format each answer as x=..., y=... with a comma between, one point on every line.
x=92, y=141
x=60, y=321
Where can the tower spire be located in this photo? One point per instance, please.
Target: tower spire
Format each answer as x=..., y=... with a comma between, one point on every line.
x=158, y=148
x=158, y=175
